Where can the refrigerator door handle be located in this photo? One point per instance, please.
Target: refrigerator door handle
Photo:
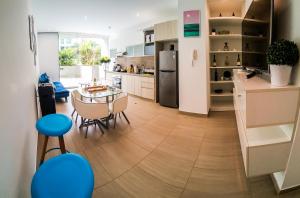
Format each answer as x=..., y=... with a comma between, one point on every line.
x=166, y=70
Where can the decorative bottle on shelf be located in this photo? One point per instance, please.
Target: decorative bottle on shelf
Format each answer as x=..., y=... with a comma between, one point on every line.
x=226, y=61
x=216, y=75
x=214, y=61
x=226, y=48
x=238, y=61
x=233, y=14
x=213, y=32
x=220, y=15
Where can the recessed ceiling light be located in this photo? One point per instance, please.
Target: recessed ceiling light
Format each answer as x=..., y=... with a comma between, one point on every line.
x=85, y=18
x=137, y=14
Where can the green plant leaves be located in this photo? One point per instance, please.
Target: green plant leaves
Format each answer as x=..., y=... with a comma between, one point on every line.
x=283, y=52
x=67, y=57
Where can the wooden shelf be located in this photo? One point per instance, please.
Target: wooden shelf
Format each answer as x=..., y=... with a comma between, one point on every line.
x=222, y=36
x=236, y=36
x=253, y=52
x=222, y=106
x=254, y=37
x=226, y=67
x=222, y=20
x=221, y=82
x=225, y=52
x=256, y=21
x=224, y=94
x=266, y=135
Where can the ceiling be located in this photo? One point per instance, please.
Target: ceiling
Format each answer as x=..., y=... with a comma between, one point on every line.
x=99, y=16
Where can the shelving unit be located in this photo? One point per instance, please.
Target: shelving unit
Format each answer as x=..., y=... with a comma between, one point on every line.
x=266, y=117
x=149, y=41
x=231, y=25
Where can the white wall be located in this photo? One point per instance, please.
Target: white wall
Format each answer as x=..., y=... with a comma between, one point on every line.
x=289, y=28
x=133, y=35
x=193, y=80
x=48, y=44
x=18, y=137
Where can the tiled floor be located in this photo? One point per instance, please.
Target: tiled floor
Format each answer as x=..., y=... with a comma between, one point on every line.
x=164, y=153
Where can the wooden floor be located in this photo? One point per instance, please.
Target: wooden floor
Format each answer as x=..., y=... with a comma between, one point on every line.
x=164, y=153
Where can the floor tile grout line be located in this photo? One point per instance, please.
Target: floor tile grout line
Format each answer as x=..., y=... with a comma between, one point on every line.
x=143, y=160
x=198, y=154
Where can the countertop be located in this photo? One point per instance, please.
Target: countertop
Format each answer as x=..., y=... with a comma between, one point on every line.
x=256, y=83
x=132, y=74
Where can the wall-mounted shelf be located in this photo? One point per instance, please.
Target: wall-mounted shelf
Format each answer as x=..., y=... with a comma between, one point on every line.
x=226, y=67
x=253, y=52
x=222, y=20
x=221, y=81
x=236, y=36
x=226, y=36
x=225, y=52
x=256, y=21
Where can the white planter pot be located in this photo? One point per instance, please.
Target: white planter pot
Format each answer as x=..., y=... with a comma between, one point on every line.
x=280, y=75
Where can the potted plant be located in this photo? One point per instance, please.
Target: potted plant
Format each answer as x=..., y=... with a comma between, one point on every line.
x=282, y=55
x=105, y=60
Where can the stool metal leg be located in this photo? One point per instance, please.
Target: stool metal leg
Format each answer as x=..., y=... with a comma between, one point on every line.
x=44, y=149
x=62, y=144
x=73, y=113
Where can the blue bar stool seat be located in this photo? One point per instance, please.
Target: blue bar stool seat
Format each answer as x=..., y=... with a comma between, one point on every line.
x=53, y=125
x=68, y=175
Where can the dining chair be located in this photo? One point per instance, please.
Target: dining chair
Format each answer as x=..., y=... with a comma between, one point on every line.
x=118, y=106
x=74, y=94
x=91, y=114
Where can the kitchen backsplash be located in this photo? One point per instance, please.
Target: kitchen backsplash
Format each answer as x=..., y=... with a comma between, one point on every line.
x=147, y=61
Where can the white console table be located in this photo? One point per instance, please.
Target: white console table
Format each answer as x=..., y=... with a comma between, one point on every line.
x=266, y=117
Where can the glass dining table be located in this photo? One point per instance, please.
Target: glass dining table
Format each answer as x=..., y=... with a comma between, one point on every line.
x=109, y=94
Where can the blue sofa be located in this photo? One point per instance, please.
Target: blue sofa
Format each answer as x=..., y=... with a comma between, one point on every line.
x=60, y=90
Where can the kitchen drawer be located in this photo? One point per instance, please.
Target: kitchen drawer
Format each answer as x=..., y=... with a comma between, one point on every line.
x=147, y=85
x=147, y=80
x=148, y=93
x=267, y=159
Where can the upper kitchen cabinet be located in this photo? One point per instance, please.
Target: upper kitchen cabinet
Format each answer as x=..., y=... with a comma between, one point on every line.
x=166, y=31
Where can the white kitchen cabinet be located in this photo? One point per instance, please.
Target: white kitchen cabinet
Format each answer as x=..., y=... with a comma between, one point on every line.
x=265, y=118
x=147, y=88
x=128, y=84
x=166, y=31
x=138, y=85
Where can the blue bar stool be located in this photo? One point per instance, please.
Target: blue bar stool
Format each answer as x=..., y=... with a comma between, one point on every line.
x=53, y=125
x=68, y=175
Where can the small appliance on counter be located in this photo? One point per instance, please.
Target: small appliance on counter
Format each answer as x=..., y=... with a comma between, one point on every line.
x=117, y=68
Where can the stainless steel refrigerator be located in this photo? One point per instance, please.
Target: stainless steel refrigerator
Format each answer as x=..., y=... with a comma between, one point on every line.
x=168, y=78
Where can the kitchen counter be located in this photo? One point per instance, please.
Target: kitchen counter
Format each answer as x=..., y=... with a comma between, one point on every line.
x=133, y=74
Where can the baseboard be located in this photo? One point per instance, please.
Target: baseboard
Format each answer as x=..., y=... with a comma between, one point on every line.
x=194, y=114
